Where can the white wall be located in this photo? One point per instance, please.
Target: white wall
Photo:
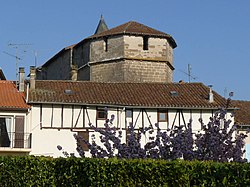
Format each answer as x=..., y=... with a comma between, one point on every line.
x=57, y=127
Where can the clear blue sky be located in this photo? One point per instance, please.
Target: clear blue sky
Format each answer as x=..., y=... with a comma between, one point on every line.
x=212, y=36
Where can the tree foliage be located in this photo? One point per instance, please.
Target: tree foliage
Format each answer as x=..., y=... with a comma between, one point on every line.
x=216, y=141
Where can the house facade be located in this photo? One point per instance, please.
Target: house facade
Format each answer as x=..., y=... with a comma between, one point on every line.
x=242, y=120
x=130, y=52
x=60, y=109
x=15, y=136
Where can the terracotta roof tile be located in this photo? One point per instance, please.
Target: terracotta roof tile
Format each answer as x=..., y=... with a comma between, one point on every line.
x=242, y=116
x=153, y=95
x=134, y=28
x=10, y=98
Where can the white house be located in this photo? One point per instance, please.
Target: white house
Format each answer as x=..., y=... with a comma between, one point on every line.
x=61, y=108
x=15, y=137
x=242, y=119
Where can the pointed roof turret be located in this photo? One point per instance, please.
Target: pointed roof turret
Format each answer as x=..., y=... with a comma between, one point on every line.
x=102, y=26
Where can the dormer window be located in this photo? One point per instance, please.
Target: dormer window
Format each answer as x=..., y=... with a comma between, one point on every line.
x=106, y=44
x=145, y=42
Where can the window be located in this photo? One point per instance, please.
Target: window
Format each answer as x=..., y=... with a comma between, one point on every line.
x=129, y=113
x=145, y=42
x=12, y=132
x=5, y=131
x=10, y=136
x=128, y=135
x=101, y=113
x=106, y=44
x=85, y=136
x=162, y=116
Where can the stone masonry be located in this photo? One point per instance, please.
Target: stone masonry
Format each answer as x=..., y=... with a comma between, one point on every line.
x=121, y=54
x=126, y=61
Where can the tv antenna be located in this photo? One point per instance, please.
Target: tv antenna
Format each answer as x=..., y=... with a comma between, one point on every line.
x=18, y=58
x=17, y=61
x=189, y=74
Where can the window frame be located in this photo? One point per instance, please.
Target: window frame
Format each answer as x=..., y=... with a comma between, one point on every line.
x=129, y=111
x=9, y=133
x=159, y=112
x=84, y=135
x=101, y=111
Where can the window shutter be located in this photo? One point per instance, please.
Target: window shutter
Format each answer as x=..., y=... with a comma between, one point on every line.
x=19, y=132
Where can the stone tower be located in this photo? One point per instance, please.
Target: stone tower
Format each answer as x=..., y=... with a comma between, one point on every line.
x=131, y=52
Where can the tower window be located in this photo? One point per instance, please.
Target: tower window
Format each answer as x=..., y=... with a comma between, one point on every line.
x=145, y=42
x=106, y=44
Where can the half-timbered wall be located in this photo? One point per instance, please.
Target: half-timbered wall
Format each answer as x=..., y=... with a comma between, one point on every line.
x=55, y=124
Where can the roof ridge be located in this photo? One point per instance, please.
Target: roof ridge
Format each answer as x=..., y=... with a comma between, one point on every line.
x=129, y=23
x=139, y=83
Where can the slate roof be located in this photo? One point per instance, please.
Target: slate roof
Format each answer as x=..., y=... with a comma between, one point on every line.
x=10, y=98
x=148, y=95
x=102, y=26
x=134, y=28
x=242, y=116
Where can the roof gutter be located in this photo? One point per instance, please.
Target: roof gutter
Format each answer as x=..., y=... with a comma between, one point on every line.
x=13, y=109
x=131, y=106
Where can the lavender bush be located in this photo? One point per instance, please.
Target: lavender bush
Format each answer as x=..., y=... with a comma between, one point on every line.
x=216, y=141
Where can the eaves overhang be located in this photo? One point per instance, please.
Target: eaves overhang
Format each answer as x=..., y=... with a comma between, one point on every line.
x=131, y=106
x=13, y=109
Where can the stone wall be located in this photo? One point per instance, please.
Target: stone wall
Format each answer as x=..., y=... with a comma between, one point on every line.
x=131, y=71
x=158, y=49
x=81, y=54
x=105, y=49
x=58, y=69
x=84, y=74
x=125, y=60
x=107, y=72
x=147, y=71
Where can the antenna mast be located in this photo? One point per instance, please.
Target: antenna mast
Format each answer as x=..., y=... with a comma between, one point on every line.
x=189, y=73
x=16, y=46
x=17, y=61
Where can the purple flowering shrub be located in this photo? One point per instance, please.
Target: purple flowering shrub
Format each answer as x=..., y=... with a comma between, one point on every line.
x=217, y=141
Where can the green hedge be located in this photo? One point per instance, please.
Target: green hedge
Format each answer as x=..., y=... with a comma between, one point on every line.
x=43, y=171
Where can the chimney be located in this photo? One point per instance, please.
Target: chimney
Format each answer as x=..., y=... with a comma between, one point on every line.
x=32, y=77
x=21, y=79
x=73, y=73
x=210, y=95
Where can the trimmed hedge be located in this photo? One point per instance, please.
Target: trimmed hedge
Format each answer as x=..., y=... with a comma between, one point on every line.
x=43, y=171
